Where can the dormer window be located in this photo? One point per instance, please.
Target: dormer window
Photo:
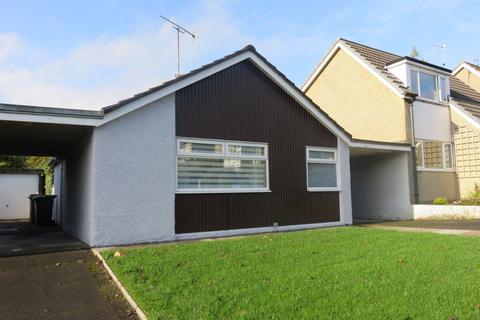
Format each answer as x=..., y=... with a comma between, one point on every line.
x=429, y=86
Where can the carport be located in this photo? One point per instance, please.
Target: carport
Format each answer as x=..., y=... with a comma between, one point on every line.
x=382, y=181
x=59, y=133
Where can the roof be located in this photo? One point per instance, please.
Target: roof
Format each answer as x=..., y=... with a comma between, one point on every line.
x=178, y=79
x=378, y=59
x=465, y=96
x=474, y=66
x=427, y=64
x=248, y=48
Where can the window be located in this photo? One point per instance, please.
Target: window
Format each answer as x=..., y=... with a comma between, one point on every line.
x=419, y=153
x=429, y=86
x=442, y=83
x=221, y=166
x=321, y=169
x=414, y=80
x=434, y=155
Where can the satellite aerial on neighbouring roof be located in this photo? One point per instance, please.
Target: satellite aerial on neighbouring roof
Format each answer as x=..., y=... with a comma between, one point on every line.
x=442, y=47
x=179, y=29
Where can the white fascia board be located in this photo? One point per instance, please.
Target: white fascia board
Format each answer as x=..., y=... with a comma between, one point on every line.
x=53, y=119
x=379, y=146
x=138, y=103
x=468, y=67
x=358, y=59
x=464, y=114
x=419, y=66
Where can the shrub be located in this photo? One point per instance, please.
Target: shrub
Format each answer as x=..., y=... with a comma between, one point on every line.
x=440, y=201
x=473, y=197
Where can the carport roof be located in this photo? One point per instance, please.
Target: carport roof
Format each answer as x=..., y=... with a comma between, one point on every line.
x=43, y=131
x=61, y=112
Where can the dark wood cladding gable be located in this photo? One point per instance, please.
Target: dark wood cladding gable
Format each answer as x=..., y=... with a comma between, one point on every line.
x=241, y=103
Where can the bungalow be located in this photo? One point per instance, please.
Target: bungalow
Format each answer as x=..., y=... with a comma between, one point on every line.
x=230, y=148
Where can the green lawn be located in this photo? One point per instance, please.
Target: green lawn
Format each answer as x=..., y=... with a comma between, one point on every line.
x=338, y=273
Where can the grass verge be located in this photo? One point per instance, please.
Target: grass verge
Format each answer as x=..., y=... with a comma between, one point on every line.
x=338, y=273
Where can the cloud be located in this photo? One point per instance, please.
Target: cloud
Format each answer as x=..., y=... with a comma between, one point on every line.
x=102, y=71
x=10, y=44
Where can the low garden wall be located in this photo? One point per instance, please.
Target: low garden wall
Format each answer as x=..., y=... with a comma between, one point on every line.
x=431, y=211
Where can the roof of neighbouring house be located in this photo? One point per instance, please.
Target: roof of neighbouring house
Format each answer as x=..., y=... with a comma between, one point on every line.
x=465, y=96
x=378, y=59
x=473, y=65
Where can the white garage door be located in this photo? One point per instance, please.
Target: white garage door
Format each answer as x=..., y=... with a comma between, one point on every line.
x=14, y=191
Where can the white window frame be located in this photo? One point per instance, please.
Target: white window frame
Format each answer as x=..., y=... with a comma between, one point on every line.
x=437, y=83
x=334, y=161
x=223, y=155
x=440, y=91
x=444, y=161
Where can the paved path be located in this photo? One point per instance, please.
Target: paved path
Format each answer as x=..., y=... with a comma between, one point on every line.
x=455, y=227
x=63, y=285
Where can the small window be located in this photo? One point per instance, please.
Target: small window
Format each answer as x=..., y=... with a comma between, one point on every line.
x=443, y=89
x=321, y=169
x=434, y=155
x=428, y=86
x=448, y=155
x=188, y=147
x=414, y=81
x=245, y=150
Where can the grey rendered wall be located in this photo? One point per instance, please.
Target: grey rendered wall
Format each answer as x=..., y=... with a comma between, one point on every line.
x=432, y=185
x=135, y=160
x=380, y=187
x=77, y=183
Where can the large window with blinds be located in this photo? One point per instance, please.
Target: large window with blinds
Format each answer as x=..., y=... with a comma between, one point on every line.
x=215, y=166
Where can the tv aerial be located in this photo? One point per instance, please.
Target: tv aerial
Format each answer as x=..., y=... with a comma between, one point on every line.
x=179, y=30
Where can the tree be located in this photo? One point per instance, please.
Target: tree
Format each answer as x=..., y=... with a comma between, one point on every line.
x=414, y=53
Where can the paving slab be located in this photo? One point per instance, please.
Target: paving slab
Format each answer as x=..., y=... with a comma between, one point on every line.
x=61, y=285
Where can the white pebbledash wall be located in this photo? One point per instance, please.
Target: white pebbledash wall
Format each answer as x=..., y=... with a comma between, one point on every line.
x=135, y=160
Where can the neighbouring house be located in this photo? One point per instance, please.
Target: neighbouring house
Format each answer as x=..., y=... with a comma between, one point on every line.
x=233, y=147
x=465, y=106
x=380, y=96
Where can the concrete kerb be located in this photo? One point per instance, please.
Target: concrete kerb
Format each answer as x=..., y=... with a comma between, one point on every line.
x=141, y=315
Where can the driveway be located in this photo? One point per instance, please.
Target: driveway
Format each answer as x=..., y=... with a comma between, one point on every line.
x=21, y=238
x=61, y=285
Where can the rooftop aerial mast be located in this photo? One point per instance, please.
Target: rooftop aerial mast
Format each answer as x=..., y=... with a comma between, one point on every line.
x=179, y=30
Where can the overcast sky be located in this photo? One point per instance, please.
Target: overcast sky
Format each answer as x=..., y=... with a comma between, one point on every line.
x=89, y=54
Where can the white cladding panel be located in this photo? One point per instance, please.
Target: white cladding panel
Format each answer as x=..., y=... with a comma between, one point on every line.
x=432, y=122
x=400, y=71
x=14, y=191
